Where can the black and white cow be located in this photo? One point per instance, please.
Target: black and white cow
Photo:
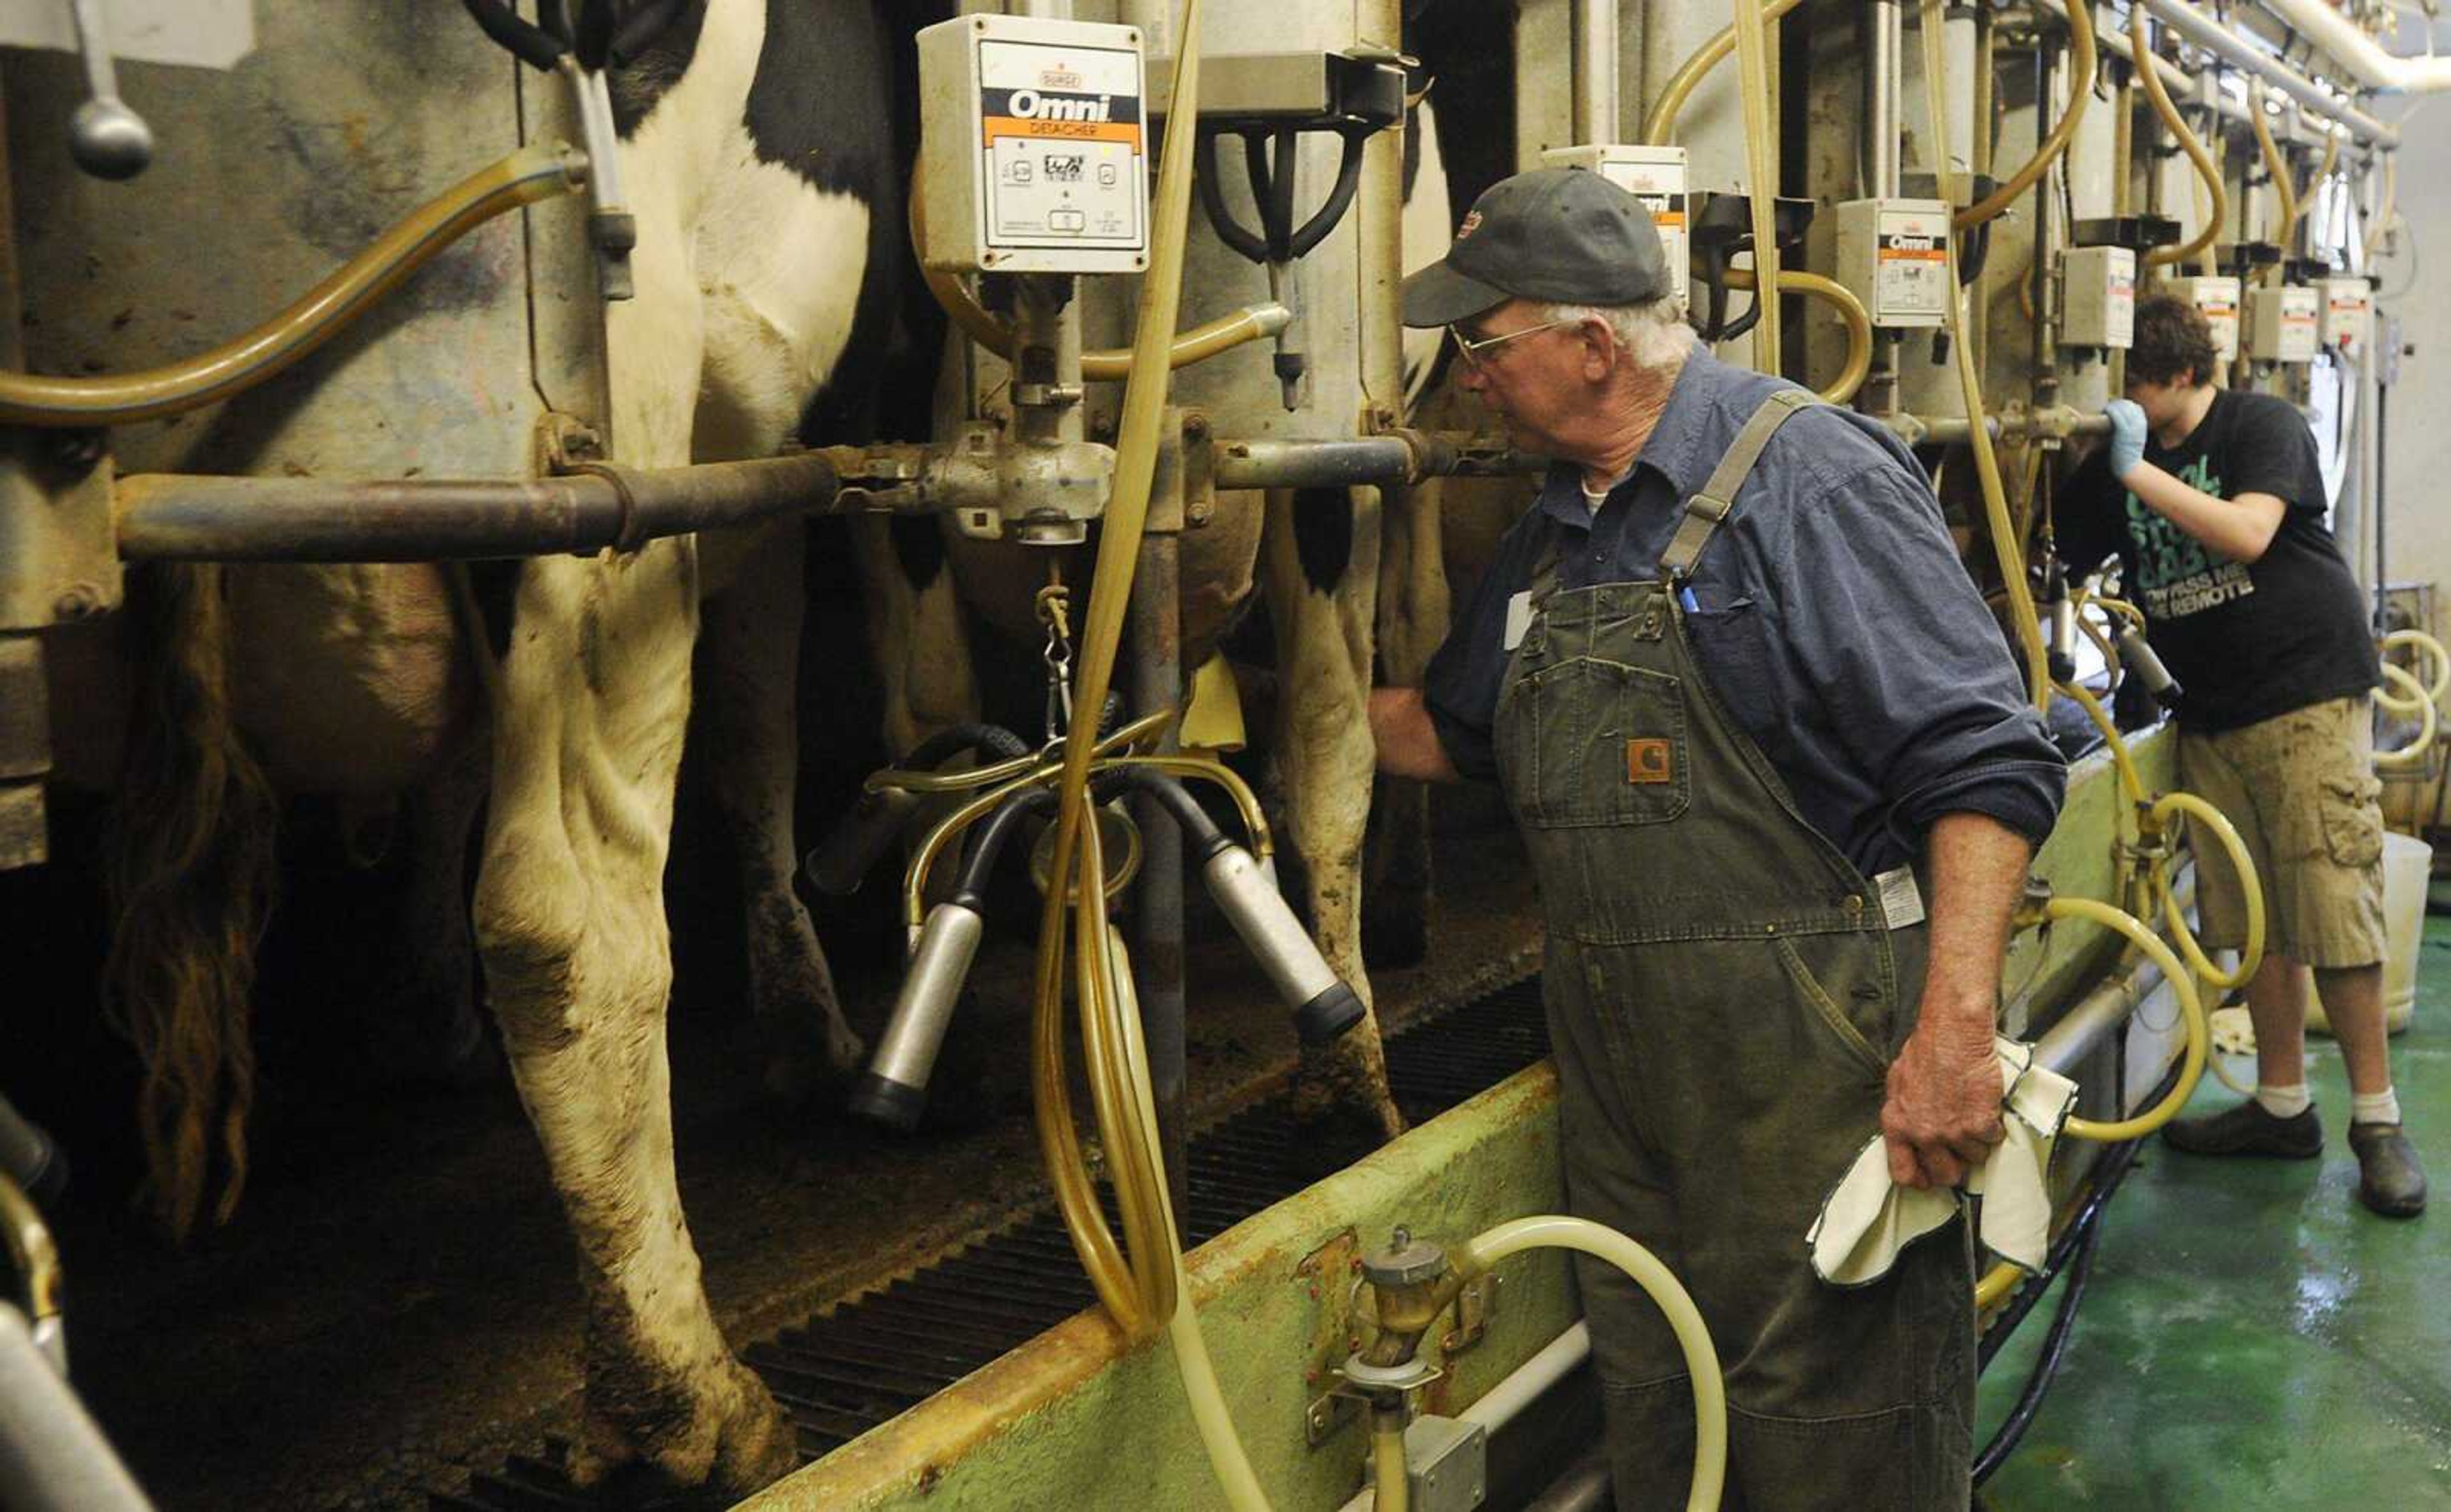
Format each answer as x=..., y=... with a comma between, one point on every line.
x=759, y=158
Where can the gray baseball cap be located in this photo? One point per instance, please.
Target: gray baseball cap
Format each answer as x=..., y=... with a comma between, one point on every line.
x=1563, y=236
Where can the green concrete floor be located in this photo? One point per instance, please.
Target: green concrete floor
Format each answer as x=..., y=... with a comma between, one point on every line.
x=2253, y=1337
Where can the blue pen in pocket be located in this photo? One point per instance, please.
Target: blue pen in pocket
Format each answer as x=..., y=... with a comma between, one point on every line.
x=1685, y=596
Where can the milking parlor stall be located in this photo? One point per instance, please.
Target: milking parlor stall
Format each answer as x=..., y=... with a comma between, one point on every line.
x=687, y=802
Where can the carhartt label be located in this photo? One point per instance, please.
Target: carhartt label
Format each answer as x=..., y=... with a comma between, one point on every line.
x=1648, y=761
x=1519, y=618
x=1901, y=900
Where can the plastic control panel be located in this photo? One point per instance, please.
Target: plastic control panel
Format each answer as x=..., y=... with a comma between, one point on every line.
x=1034, y=151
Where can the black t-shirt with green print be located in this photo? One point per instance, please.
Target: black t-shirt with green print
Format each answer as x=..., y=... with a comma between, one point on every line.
x=2246, y=641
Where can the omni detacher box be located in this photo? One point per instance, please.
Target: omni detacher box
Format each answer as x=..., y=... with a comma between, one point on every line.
x=1035, y=147
x=1654, y=175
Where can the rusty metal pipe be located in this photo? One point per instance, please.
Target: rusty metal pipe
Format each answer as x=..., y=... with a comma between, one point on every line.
x=174, y=517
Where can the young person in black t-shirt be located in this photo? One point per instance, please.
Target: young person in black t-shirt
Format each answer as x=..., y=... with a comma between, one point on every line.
x=2214, y=501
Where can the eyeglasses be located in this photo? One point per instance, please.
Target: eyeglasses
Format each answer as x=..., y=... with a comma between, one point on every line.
x=1470, y=350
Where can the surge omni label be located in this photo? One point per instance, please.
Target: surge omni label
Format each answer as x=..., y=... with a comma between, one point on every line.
x=1063, y=138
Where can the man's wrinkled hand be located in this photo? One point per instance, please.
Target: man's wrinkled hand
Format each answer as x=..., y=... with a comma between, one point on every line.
x=1942, y=1116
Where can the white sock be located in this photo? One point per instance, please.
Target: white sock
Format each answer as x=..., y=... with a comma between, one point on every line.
x=2375, y=1108
x=2284, y=1101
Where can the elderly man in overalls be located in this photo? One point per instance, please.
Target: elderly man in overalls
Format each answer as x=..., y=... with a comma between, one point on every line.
x=1780, y=786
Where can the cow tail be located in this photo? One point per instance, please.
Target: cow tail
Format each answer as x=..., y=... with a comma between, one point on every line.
x=190, y=863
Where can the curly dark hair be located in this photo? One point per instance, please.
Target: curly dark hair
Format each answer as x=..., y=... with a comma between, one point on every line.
x=2172, y=337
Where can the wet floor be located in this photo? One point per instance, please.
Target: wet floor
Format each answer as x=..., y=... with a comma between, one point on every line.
x=2253, y=1337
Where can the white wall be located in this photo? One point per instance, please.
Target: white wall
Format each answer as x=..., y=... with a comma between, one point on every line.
x=2417, y=289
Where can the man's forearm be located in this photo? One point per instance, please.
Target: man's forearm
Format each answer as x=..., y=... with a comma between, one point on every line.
x=2240, y=528
x=1407, y=741
x=1978, y=875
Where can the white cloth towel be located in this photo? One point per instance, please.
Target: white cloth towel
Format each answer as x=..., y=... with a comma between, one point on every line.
x=1868, y=1218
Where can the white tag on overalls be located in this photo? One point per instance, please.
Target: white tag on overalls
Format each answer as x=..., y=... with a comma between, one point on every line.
x=1518, y=619
x=1901, y=900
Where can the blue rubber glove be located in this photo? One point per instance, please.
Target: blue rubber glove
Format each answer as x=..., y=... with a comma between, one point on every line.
x=2127, y=436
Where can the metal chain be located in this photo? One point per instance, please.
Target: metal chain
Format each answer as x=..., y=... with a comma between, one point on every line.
x=1055, y=605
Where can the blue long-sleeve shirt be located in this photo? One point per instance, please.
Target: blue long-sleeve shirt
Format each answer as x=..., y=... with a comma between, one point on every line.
x=1830, y=614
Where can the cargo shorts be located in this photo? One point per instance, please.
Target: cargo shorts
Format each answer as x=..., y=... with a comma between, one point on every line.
x=2301, y=789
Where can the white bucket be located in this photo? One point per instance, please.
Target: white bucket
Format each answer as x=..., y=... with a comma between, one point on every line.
x=2407, y=864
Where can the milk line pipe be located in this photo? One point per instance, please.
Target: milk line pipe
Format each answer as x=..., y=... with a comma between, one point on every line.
x=2363, y=57
x=2337, y=111
x=2206, y=169
x=1413, y=1282
x=2209, y=34
x=1661, y=125
x=525, y=177
x=1595, y=71
x=1761, y=168
x=2277, y=169
x=2006, y=549
x=1138, y=1280
x=2055, y=143
x=1884, y=64
x=1517, y=1392
x=1849, y=311
x=1250, y=324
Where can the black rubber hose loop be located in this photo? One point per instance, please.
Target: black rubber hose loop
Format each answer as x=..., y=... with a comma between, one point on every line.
x=1212, y=200
x=994, y=740
x=530, y=45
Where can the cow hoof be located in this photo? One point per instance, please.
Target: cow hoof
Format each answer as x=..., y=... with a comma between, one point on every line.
x=729, y=1447
x=798, y=1076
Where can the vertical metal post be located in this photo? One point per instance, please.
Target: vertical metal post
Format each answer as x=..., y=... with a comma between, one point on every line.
x=1881, y=84
x=1884, y=50
x=1156, y=628
x=25, y=713
x=2047, y=234
x=1595, y=71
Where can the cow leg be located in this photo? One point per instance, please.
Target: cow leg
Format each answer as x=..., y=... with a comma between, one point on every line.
x=431, y=1021
x=1321, y=552
x=570, y=923
x=748, y=726
x=915, y=630
x=570, y=919
x=1412, y=620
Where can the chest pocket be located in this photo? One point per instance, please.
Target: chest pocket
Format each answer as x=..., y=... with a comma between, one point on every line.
x=1593, y=742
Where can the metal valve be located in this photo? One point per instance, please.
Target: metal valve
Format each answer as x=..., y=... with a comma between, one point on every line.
x=106, y=138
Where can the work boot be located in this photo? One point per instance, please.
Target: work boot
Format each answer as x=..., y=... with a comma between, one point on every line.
x=2248, y=1130
x=2390, y=1179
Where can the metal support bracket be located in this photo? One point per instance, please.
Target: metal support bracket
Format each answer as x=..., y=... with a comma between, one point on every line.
x=1330, y=1274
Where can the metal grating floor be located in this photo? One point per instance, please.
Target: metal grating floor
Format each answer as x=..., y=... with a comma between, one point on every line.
x=875, y=1357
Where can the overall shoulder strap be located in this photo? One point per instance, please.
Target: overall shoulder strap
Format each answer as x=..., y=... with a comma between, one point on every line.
x=1717, y=497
